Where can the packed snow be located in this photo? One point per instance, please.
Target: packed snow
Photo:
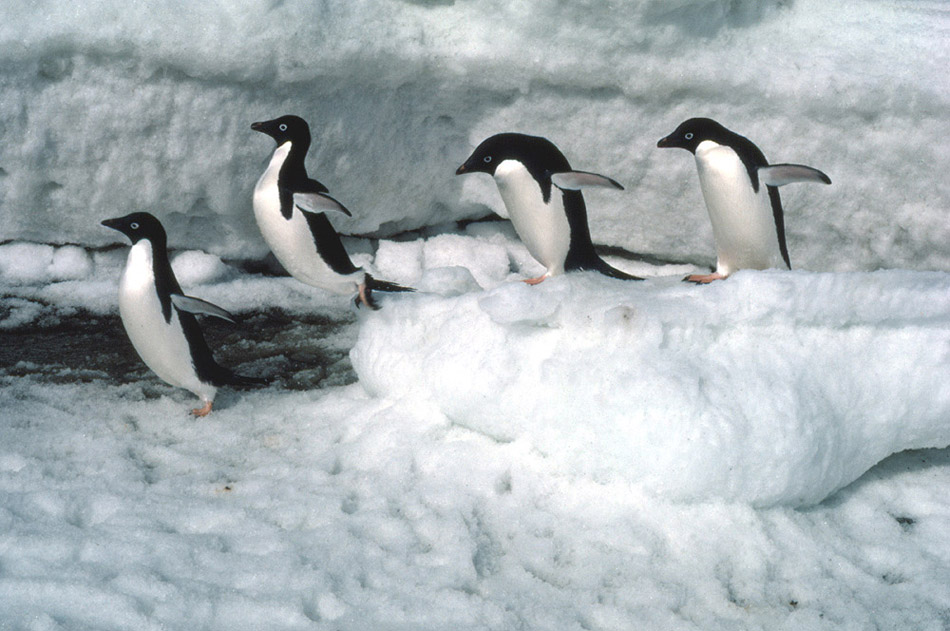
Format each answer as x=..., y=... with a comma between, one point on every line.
x=768, y=452
x=584, y=454
x=109, y=107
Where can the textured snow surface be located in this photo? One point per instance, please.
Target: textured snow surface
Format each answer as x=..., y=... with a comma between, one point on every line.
x=771, y=388
x=108, y=108
x=583, y=454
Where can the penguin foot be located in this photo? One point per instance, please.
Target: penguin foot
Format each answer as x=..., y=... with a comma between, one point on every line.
x=702, y=279
x=535, y=281
x=365, y=297
x=203, y=411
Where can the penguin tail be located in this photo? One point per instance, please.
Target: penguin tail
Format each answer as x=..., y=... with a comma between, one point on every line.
x=230, y=378
x=613, y=272
x=597, y=264
x=370, y=285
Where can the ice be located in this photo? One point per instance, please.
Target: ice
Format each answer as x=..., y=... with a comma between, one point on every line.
x=110, y=108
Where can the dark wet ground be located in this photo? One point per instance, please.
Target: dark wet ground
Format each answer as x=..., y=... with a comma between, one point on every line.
x=292, y=351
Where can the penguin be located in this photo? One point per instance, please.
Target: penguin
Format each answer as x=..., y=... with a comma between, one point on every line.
x=740, y=188
x=544, y=201
x=159, y=319
x=290, y=209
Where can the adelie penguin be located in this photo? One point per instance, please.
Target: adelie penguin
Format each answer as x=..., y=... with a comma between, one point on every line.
x=544, y=201
x=290, y=209
x=159, y=319
x=740, y=188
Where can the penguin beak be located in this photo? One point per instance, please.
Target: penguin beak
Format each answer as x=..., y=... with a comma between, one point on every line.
x=461, y=170
x=110, y=223
x=257, y=126
x=664, y=143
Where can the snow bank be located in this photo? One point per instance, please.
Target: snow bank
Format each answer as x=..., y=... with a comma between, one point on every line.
x=771, y=388
x=109, y=108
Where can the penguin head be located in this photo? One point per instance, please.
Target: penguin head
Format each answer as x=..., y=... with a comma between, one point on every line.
x=692, y=132
x=286, y=128
x=539, y=155
x=138, y=226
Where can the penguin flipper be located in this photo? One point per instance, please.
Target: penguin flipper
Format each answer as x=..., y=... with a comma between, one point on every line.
x=318, y=203
x=576, y=180
x=190, y=304
x=782, y=174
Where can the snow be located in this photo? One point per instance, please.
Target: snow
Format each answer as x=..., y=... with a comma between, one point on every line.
x=768, y=452
x=583, y=454
x=109, y=108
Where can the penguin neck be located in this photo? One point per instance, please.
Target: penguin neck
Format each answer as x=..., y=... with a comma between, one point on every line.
x=150, y=259
x=294, y=153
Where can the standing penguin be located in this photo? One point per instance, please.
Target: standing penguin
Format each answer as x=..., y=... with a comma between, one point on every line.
x=543, y=198
x=741, y=192
x=159, y=319
x=290, y=211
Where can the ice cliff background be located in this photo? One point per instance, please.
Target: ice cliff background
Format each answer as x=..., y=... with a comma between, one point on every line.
x=106, y=107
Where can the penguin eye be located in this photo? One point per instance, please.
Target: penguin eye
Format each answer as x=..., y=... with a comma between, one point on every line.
x=283, y=127
x=688, y=135
x=487, y=159
x=134, y=225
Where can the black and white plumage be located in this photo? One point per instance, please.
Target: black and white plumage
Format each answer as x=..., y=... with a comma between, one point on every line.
x=290, y=209
x=159, y=319
x=542, y=195
x=740, y=189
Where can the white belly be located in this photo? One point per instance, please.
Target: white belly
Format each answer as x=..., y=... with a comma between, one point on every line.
x=542, y=227
x=161, y=345
x=742, y=220
x=291, y=240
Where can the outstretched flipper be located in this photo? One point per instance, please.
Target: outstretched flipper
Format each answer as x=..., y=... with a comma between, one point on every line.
x=576, y=180
x=782, y=174
x=318, y=203
x=190, y=304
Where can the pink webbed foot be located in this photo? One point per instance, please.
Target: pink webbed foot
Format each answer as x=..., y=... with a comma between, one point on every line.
x=535, y=281
x=703, y=279
x=202, y=411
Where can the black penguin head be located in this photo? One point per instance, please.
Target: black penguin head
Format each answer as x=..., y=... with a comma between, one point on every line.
x=693, y=131
x=292, y=128
x=138, y=226
x=539, y=155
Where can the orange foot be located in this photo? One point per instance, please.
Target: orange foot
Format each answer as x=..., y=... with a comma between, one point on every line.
x=535, y=281
x=203, y=411
x=703, y=278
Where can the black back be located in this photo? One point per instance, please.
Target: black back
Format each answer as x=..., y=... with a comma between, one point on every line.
x=691, y=132
x=541, y=158
x=138, y=226
x=293, y=178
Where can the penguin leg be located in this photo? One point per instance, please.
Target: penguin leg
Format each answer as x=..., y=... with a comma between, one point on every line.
x=535, y=281
x=703, y=279
x=203, y=411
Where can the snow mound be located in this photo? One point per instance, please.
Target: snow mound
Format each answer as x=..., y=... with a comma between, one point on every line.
x=33, y=263
x=770, y=388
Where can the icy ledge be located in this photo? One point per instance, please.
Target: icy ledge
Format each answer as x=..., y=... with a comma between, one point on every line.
x=770, y=388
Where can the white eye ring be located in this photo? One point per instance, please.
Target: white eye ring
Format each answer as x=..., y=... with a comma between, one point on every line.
x=134, y=225
x=688, y=135
x=283, y=127
x=487, y=159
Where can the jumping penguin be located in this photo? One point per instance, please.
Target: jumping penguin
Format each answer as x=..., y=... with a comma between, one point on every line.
x=159, y=319
x=747, y=219
x=290, y=209
x=544, y=201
